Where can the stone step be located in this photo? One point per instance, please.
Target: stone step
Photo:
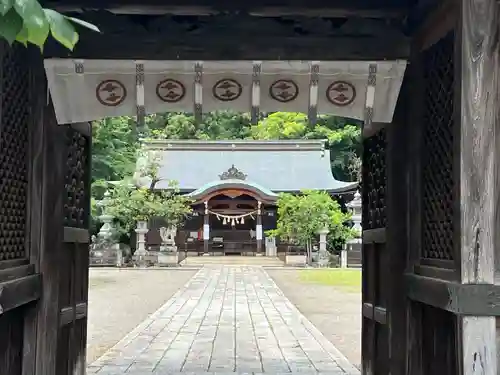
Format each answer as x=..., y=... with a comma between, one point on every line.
x=233, y=260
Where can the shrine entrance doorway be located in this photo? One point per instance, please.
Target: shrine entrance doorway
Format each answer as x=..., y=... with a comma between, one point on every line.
x=234, y=224
x=430, y=172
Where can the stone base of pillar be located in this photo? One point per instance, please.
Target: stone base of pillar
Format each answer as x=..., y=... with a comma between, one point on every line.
x=140, y=261
x=343, y=258
x=168, y=259
x=271, y=252
x=206, y=254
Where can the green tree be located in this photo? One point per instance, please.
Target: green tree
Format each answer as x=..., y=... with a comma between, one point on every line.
x=300, y=217
x=343, y=135
x=115, y=145
x=215, y=125
x=128, y=205
x=114, y=152
x=26, y=21
x=281, y=125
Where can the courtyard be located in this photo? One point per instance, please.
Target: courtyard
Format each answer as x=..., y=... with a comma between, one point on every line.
x=224, y=319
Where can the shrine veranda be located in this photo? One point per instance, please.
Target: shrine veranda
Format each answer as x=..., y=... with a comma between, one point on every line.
x=430, y=156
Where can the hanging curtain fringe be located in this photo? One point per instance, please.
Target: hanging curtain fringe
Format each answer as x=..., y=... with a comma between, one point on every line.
x=233, y=219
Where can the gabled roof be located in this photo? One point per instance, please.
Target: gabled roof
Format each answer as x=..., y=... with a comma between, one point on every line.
x=278, y=166
x=234, y=183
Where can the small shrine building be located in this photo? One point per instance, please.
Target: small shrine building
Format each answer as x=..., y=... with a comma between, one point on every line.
x=234, y=186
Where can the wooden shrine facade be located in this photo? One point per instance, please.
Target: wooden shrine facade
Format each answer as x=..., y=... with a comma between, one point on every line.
x=430, y=177
x=234, y=186
x=229, y=222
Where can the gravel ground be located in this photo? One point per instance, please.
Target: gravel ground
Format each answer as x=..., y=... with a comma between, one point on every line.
x=335, y=313
x=121, y=299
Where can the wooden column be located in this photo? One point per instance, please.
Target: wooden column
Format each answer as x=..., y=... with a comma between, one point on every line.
x=206, y=229
x=398, y=174
x=477, y=170
x=258, y=228
x=46, y=205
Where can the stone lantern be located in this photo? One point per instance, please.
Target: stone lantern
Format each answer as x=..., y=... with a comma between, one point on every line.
x=356, y=207
x=104, y=250
x=353, y=244
x=323, y=254
x=106, y=231
x=140, y=251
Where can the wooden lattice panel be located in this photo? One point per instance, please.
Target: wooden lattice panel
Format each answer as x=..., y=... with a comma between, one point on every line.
x=437, y=152
x=13, y=156
x=374, y=181
x=75, y=206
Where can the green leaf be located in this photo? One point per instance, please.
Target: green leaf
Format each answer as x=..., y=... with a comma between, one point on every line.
x=22, y=36
x=62, y=30
x=34, y=20
x=83, y=23
x=10, y=25
x=5, y=6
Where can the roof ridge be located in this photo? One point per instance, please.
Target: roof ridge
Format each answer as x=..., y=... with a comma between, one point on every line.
x=236, y=144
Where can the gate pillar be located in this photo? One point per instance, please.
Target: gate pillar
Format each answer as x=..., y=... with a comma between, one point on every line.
x=477, y=173
x=59, y=208
x=454, y=192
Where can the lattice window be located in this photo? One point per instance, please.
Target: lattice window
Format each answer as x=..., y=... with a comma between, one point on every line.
x=437, y=155
x=76, y=207
x=13, y=154
x=374, y=181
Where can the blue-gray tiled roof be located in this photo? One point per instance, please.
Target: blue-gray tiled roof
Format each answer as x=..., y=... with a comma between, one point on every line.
x=280, y=166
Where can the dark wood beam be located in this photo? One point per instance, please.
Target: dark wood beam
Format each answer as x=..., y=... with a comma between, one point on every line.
x=229, y=37
x=377, y=313
x=9, y=274
x=70, y=313
x=461, y=299
x=314, y=8
x=76, y=235
x=233, y=48
x=374, y=235
x=18, y=292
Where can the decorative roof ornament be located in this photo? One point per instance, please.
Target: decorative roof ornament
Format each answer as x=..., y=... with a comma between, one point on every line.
x=233, y=173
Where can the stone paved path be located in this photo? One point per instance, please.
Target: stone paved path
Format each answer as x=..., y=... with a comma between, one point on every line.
x=225, y=320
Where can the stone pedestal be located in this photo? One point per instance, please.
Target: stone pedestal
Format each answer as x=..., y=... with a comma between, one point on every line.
x=323, y=254
x=168, y=259
x=296, y=260
x=141, y=252
x=343, y=257
x=354, y=245
x=271, y=249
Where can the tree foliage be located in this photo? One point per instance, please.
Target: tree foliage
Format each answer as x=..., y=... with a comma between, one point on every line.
x=116, y=147
x=343, y=137
x=128, y=205
x=26, y=21
x=115, y=144
x=301, y=217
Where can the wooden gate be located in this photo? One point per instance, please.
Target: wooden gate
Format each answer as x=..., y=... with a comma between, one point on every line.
x=20, y=283
x=430, y=199
x=44, y=208
x=73, y=286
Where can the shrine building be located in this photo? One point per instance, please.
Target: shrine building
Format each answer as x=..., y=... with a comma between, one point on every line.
x=234, y=186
